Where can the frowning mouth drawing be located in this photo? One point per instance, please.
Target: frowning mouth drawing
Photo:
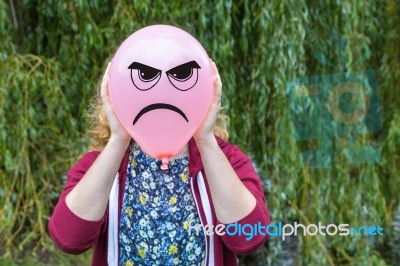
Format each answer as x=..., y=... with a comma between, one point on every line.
x=155, y=106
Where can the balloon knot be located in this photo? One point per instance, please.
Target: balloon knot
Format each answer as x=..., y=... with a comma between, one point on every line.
x=164, y=165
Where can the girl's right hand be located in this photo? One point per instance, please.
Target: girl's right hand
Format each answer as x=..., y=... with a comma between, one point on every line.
x=118, y=132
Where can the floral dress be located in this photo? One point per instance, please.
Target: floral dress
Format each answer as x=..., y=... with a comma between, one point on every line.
x=157, y=208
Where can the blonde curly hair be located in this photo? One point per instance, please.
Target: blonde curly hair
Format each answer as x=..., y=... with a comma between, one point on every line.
x=99, y=130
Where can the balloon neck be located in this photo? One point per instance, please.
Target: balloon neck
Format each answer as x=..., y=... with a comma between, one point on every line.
x=164, y=165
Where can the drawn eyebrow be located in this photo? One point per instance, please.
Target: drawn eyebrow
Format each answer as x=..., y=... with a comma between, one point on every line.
x=137, y=65
x=191, y=64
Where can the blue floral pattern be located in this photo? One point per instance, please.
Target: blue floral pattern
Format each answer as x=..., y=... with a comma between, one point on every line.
x=156, y=211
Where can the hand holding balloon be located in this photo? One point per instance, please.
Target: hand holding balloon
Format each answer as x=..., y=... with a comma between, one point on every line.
x=206, y=130
x=118, y=132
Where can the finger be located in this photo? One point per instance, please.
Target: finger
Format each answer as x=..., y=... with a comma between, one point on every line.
x=217, y=77
x=104, y=83
x=217, y=82
x=215, y=70
x=217, y=91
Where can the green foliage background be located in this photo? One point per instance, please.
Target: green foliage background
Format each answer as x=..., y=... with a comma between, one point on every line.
x=53, y=52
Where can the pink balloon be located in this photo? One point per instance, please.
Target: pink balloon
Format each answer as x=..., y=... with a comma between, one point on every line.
x=161, y=87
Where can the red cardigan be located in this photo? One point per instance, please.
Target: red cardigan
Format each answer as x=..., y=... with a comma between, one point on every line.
x=75, y=235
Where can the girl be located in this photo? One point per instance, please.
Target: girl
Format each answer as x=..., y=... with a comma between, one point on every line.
x=118, y=200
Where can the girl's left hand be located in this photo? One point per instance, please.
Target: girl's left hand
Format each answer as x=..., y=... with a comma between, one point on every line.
x=205, y=132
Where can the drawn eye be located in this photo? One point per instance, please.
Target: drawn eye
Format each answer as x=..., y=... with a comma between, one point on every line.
x=144, y=77
x=184, y=77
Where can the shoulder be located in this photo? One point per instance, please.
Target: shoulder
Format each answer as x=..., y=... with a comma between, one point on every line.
x=231, y=151
x=84, y=162
x=244, y=167
x=79, y=169
x=88, y=156
x=238, y=159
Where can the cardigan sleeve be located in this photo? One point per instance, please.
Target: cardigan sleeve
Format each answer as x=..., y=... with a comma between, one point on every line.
x=69, y=232
x=242, y=244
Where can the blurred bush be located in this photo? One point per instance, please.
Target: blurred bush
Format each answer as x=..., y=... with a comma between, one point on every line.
x=52, y=54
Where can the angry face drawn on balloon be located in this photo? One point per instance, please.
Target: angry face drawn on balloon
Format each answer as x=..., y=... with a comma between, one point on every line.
x=182, y=77
x=161, y=88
